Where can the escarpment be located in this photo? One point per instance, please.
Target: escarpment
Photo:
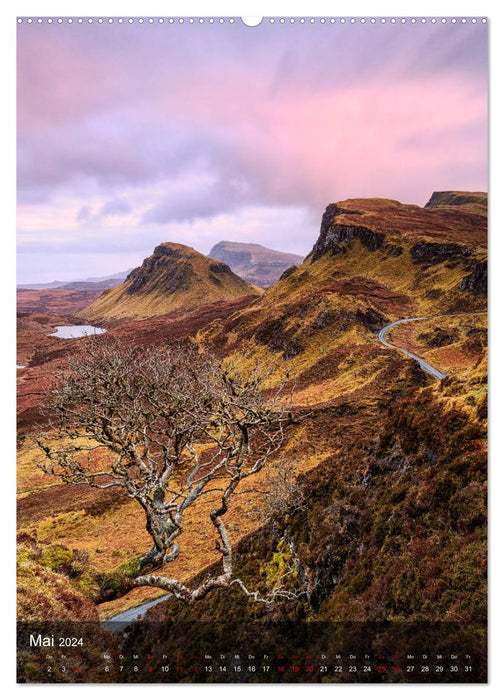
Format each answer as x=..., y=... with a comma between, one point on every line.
x=472, y=201
x=333, y=236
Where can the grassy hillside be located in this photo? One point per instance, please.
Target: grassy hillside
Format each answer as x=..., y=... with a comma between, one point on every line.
x=395, y=527
x=174, y=277
x=477, y=202
x=54, y=583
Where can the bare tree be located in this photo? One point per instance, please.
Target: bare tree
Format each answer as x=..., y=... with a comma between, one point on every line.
x=178, y=426
x=283, y=492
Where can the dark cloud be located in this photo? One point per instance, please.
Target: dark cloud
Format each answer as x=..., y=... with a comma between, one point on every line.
x=225, y=194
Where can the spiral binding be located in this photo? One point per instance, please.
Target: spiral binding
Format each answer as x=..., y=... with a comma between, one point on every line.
x=265, y=20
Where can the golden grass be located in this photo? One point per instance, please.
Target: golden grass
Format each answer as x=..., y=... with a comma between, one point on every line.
x=464, y=360
x=29, y=478
x=118, y=533
x=347, y=382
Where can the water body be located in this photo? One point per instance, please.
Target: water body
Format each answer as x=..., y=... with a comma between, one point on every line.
x=20, y=366
x=118, y=622
x=76, y=331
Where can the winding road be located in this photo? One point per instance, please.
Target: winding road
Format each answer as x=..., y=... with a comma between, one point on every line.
x=423, y=363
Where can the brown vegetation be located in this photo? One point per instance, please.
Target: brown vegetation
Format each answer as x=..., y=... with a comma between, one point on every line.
x=54, y=301
x=392, y=462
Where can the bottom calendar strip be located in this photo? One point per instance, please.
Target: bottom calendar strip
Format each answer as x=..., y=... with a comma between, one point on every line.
x=229, y=653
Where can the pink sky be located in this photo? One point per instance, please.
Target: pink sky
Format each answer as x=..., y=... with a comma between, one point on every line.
x=132, y=135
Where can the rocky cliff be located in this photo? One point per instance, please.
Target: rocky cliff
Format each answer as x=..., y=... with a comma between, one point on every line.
x=391, y=461
x=450, y=231
x=333, y=235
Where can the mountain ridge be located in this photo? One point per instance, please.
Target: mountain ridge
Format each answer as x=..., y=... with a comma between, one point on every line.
x=472, y=201
x=253, y=262
x=88, y=283
x=392, y=460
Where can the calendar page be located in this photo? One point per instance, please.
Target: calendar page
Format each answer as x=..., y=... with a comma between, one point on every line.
x=252, y=350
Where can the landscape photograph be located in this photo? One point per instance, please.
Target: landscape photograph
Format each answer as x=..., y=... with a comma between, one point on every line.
x=251, y=350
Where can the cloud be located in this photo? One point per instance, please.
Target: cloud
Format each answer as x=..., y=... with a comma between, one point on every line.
x=202, y=199
x=112, y=208
x=84, y=215
x=115, y=207
x=122, y=127
x=42, y=253
x=95, y=113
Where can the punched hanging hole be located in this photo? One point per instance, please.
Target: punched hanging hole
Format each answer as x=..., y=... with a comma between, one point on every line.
x=252, y=21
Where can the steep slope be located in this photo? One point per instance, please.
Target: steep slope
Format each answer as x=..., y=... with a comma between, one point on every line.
x=255, y=263
x=394, y=531
x=394, y=528
x=174, y=277
x=375, y=261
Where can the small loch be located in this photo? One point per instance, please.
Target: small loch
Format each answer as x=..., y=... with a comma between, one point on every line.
x=76, y=331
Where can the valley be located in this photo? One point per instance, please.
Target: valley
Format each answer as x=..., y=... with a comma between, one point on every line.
x=391, y=459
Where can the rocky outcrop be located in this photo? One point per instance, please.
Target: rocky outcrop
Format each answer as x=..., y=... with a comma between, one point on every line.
x=165, y=263
x=371, y=319
x=334, y=236
x=219, y=268
x=288, y=272
x=439, y=337
x=432, y=253
x=277, y=338
x=255, y=263
x=177, y=280
x=395, y=250
x=324, y=319
x=477, y=281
